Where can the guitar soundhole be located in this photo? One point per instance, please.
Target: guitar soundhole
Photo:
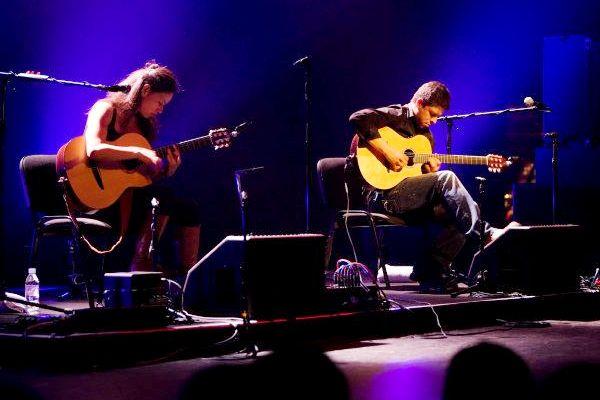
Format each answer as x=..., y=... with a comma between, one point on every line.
x=411, y=156
x=131, y=165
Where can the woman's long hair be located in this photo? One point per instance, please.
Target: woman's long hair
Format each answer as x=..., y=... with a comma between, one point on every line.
x=159, y=78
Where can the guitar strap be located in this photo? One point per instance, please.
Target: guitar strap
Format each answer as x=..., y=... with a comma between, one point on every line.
x=124, y=210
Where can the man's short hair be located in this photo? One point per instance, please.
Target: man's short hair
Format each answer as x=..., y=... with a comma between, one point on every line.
x=433, y=93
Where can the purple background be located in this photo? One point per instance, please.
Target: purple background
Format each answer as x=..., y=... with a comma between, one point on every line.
x=234, y=59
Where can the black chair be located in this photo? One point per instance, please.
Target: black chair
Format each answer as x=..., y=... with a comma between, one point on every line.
x=348, y=207
x=43, y=195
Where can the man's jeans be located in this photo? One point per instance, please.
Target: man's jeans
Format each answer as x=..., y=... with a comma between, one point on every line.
x=437, y=197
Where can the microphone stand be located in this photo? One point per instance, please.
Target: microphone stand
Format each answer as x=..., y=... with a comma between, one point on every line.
x=245, y=304
x=305, y=62
x=451, y=118
x=554, y=137
x=5, y=77
x=450, y=124
x=449, y=127
x=49, y=79
x=480, y=279
x=152, y=251
x=535, y=107
x=3, y=90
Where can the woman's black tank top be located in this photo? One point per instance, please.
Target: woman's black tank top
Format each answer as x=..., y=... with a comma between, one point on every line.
x=112, y=133
x=111, y=130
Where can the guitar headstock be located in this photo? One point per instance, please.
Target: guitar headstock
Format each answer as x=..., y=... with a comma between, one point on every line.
x=220, y=138
x=497, y=163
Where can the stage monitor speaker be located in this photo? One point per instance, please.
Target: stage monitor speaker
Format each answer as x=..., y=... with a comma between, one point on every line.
x=133, y=289
x=284, y=277
x=534, y=259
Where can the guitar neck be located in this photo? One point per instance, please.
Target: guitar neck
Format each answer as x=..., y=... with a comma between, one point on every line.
x=452, y=159
x=186, y=145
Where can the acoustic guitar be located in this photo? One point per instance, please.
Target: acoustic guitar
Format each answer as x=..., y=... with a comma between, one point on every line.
x=95, y=188
x=418, y=149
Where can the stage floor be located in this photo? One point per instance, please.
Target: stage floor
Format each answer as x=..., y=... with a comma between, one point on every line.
x=408, y=367
x=407, y=294
x=107, y=337
x=381, y=352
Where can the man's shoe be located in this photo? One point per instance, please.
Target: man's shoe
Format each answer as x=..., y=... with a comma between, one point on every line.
x=443, y=285
x=414, y=277
x=496, y=233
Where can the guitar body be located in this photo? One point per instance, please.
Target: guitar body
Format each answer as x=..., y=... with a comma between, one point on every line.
x=96, y=188
x=375, y=171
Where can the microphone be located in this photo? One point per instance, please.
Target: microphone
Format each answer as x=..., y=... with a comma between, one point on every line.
x=248, y=170
x=239, y=173
x=118, y=88
x=529, y=102
x=30, y=75
x=303, y=60
x=236, y=131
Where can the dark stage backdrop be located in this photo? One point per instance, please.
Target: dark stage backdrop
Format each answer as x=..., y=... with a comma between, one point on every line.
x=234, y=62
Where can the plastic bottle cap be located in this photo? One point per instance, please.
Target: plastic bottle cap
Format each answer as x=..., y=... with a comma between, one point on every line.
x=31, y=271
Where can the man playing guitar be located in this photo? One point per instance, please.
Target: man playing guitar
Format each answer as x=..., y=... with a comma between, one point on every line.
x=430, y=194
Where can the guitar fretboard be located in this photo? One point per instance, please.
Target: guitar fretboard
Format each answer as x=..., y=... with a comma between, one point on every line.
x=186, y=145
x=452, y=159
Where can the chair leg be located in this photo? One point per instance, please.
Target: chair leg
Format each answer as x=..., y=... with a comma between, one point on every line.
x=101, y=275
x=87, y=274
x=329, y=243
x=84, y=272
x=74, y=276
x=33, y=255
x=380, y=263
x=382, y=258
x=72, y=254
x=80, y=274
x=371, y=201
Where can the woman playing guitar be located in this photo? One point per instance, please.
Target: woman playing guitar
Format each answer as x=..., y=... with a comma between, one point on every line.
x=151, y=88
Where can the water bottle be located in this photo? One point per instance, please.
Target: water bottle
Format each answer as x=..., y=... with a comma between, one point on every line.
x=32, y=290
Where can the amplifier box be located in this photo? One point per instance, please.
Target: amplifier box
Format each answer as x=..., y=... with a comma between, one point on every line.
x=535, y=259
x=283, y=277
x=132, y=289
